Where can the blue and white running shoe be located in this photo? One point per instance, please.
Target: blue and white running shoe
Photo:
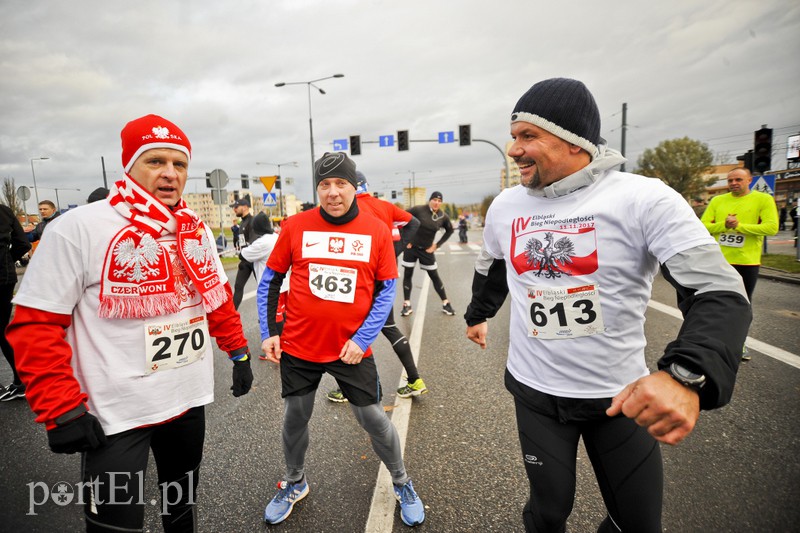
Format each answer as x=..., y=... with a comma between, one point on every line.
x=281, y=505
x=412, y=512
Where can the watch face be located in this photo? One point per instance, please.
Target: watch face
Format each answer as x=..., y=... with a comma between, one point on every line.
x=686, y=376
x=686, y=373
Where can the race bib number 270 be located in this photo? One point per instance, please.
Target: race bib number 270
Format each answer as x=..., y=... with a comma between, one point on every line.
x=564, y=312
x=175, y=344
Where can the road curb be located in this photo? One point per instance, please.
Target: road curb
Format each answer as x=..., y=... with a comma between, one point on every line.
x=778, y=275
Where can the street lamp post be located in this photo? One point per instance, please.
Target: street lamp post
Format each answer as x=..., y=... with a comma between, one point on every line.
x=58, y=204
x=413, y=183
x=279, y=165
x=310, y=84
x=35, y=190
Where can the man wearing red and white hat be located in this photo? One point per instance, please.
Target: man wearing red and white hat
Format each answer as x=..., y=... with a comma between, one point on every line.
x=118, y=360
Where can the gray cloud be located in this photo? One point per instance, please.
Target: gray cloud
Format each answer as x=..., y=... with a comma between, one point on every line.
x=73, y=73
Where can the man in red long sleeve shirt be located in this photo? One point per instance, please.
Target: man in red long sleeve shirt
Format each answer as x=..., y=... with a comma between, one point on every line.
x=394, y=218
x=117, y=359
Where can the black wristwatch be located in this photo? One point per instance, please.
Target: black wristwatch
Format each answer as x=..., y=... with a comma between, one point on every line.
x=686, y=377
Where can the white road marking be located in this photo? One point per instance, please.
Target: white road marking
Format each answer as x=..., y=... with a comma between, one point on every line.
x=381, y=512
x=755, y=344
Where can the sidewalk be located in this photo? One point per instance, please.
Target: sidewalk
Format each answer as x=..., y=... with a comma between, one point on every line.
x=782, y=243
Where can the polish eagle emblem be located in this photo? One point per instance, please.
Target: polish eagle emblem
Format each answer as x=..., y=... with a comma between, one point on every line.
x=160, y=132
x=548, y=257
x=136, y=260
x=336, y=245
x=199, y=252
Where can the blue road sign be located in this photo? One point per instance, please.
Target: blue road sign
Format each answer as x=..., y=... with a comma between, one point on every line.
x=270, y=200
x=765, y=183
x=340, y=145
x=386, y=140
x=447, y=137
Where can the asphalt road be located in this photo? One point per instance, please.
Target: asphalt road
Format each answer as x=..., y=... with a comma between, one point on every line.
x=738, y=471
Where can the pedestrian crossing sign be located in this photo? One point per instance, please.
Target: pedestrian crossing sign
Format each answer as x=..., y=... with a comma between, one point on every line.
x=270, y=200
x=765, y=183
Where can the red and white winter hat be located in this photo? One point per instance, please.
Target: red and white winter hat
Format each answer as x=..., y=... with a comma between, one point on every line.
x=148, y=132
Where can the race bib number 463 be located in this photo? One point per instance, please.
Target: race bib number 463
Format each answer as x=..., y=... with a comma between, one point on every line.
x=564, y=312
x=175, y=344
x=334, y=283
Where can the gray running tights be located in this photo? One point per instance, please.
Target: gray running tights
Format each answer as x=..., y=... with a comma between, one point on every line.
x=385, y=441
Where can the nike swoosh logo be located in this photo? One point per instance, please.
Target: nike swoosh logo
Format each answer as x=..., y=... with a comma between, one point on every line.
x=311, y=244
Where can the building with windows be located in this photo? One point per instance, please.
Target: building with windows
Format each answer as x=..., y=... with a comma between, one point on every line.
x=220, y=215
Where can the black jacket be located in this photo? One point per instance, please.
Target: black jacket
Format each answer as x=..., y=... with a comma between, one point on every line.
x=40, y=227
x=13, y=245
x=429, y=224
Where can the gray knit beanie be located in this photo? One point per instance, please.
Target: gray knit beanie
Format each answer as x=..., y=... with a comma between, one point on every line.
x=565, y=108
x=335, y=165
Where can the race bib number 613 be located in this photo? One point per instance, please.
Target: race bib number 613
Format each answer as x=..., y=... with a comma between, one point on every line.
x=564, y=312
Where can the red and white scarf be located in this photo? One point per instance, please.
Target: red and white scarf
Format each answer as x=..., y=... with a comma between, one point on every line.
x=139, y=279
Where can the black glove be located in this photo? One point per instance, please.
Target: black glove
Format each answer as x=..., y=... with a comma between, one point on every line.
x=242, y=376
x=78, y=435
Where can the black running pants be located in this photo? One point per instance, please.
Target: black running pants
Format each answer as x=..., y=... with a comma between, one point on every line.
x=113, y=476
x=626, y=461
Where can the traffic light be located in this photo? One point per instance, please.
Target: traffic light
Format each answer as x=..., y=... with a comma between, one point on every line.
x=278, y=183
x=747, y=158
x=394, y=195
x=465, y=134
x=208, y=180
x=762, y=149
x=245, y=181
x=402, y=140
x=355, y=145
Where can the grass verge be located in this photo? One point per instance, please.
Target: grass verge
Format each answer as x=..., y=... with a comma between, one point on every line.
x=787, y=263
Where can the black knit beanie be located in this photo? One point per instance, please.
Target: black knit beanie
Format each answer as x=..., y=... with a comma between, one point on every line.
x=261, y=225
x=565, y=108
x=335, y=165
x=100, y=193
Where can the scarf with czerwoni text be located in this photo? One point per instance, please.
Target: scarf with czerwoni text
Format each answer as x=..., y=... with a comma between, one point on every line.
x=139, y=279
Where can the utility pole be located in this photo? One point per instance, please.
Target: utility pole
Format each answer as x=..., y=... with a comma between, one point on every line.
x=624, y=127
x=103, y=164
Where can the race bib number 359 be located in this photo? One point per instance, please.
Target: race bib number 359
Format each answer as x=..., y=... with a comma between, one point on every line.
x=564, y=312
x=175, y=344
x=732, y=240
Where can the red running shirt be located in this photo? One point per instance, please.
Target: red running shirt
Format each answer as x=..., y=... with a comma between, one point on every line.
x=334, y=270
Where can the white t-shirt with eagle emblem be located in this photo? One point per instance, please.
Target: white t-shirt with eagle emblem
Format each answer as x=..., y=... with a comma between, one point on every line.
x=136, y=372
x=579, y=270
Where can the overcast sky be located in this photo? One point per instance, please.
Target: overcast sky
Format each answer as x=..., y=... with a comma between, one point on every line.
x=73, y=73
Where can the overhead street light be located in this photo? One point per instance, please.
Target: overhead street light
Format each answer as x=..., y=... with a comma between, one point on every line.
x=36, y=190
x=310, y=84
x=58, y=204
x=279, y=165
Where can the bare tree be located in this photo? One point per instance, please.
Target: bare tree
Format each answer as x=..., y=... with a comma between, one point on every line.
x=723, y=158
x=9, y=196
